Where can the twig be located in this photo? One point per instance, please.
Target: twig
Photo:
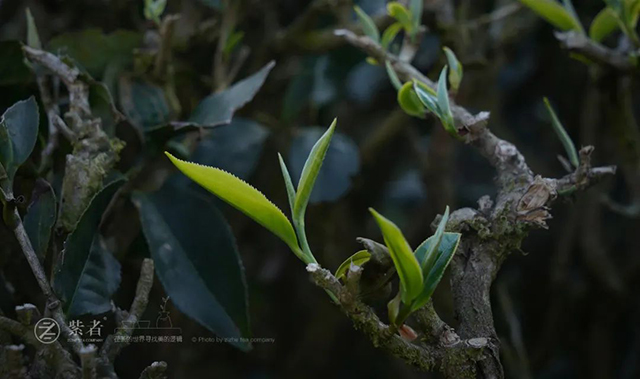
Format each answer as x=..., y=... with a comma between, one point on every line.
x=446, y=354
x=493, y=17
x=119, y=340
x=88, y=362
x=581, y=44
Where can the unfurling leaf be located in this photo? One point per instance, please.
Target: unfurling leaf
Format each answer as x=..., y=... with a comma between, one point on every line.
x=310, y=173
x=569, y=147
x=456, y=71
x=554, y=13
x=245, y=198
x=409, y=101
x=368, y=26
x=446, y=116
x=605, y=23
x=406, y=263
x=402, y=14
x=443, y=255
x=393, y=309
x=427, y=257
x=357, y=259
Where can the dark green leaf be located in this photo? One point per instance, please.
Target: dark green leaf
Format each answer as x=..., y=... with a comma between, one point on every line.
x=196, y=259
x=218, y=108
x=18, y=133
x=144, y=104
x=235, y=148
x=88, y=274
x=94, y=50
x=40, y=217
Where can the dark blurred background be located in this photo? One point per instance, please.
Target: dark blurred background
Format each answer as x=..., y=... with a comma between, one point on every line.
x=565, y=306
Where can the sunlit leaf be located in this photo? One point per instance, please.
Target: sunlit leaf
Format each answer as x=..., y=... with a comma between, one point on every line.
x=88, y=274
x=368, y=26
x=243, y=197
x=406, y=263
x=569, y=147
x=357, y=259
x=40, y=217
x=554, y=13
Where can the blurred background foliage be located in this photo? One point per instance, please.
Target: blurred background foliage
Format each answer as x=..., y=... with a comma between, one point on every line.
x=566, y=306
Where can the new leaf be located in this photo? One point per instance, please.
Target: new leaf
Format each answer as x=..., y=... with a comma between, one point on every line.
x=406, y=263
x=243, y=197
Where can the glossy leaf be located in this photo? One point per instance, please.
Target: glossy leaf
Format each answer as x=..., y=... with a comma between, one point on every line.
x=428, y=257
x=357, y=259
x=605, y=23
x=456, y=71
x=406, y=263
x=390, y=34
x=243, y=197
x=569, y=147
x=554, y=13
x=18, y=133
x=400, y=13
x=196, y=259
x=218, y=108
x=33, y=39
x=368, y=26
x=409, y=101
x=40, y=217
x=310, y=173
x=393, y=77
x=88, y=274
x=446, y=250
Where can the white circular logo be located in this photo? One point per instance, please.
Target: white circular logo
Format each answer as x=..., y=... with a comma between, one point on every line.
x=47, y=330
